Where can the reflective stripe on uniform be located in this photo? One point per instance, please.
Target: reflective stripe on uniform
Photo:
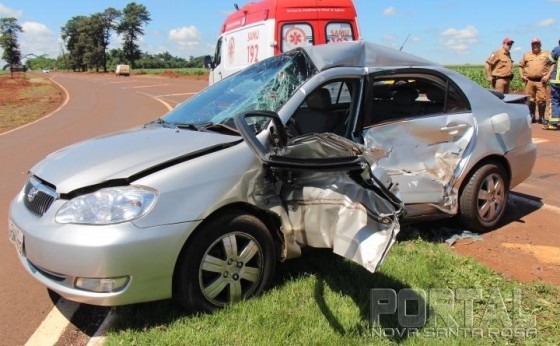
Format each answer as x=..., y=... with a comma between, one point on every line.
x=556, y=80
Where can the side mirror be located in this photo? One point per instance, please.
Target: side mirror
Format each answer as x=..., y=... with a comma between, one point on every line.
x=208, y=63
x=250, y=123
x=279, y=155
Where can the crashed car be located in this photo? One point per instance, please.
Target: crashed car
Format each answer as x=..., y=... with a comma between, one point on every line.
x=319, y=146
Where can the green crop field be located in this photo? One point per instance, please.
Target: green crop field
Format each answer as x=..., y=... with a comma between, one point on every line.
x=169, y=72
x=473, y=72
x=476, y=73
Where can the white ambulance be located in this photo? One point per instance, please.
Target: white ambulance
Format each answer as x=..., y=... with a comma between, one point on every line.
x=265, y=28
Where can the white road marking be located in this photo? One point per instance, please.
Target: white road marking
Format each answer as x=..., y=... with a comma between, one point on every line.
x=182, y=94
x=167, y=105
x=54, y=324
x=148, y=86
x=540, y=140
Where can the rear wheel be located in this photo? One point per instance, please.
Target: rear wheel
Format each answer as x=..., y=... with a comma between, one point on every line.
x=230, y=259
x=484, y=199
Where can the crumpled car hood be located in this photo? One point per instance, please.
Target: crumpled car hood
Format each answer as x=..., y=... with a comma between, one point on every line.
x=120, y=155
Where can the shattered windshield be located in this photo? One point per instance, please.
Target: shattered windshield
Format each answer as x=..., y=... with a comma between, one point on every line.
x=266, y=85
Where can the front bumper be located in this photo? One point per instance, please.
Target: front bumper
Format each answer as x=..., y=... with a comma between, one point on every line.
x=58, y=254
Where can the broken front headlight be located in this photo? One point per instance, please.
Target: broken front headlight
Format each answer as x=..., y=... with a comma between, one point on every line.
x=108, y=206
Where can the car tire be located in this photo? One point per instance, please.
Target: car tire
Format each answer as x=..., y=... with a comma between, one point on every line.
x=484, y=198
x=231, y=258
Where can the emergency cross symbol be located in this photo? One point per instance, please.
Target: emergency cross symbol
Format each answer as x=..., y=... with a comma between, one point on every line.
x=231, y=50
x=295, y=36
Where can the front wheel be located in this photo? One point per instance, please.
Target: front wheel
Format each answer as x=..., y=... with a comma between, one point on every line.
x=483, y=201
x=230, y=259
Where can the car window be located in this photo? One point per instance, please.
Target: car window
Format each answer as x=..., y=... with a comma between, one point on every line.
x=397, y=97
x=218, y=53
x=325, y=109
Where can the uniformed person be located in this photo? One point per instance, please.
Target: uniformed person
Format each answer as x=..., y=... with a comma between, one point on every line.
x=554, y=80
x=533, y=70
x=499, y=67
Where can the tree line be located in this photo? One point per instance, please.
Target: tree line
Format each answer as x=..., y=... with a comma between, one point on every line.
x=86, y=41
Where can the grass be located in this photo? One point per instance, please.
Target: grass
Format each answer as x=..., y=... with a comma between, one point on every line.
x=322, y=299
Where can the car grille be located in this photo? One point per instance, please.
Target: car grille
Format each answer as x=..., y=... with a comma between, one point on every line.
x=38, y=197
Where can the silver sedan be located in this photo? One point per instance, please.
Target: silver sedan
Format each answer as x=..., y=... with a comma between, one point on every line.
x=327, y=146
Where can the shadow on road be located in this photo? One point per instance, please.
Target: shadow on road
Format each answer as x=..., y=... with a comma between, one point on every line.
x=84, y=322
x=519, y=206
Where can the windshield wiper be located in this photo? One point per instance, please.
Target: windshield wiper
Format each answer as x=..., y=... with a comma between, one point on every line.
x=189, y=126
x=221, y=128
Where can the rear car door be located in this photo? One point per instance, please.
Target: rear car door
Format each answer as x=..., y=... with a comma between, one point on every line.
x=420, y=127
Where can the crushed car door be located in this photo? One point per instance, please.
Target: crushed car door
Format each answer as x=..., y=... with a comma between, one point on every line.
x=420, y=127
x=330, y=193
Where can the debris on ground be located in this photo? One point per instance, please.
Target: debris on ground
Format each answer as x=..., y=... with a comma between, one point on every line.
x=439, y=234
x=464, y=235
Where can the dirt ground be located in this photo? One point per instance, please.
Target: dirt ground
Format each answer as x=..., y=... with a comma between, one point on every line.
x=25, y=97
x=526, y=248
x=513, y=250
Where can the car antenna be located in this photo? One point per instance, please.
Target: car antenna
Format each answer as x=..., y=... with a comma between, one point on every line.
x=236, y=7
x=406, y=39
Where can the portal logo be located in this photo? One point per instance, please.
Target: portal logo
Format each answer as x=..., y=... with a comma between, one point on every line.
x=443, y=312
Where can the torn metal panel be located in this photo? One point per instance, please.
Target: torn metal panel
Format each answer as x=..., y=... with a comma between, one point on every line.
x=422, y=157
x=325, y=193
x=414, y=155
x=338, y=213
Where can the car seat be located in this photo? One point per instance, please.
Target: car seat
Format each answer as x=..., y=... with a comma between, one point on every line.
x=316, y=117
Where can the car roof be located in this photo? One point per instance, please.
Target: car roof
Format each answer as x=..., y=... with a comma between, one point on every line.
x=361, y=54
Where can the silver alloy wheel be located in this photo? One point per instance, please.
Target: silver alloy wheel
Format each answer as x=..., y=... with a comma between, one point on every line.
x=231, y=268
x=491, y=197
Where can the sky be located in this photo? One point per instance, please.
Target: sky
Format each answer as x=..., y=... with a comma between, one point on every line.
x=449, y=32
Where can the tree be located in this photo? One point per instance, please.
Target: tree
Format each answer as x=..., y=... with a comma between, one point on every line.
x=39, y=62
x=87, y=39
x=104, y=22
x=9, y=29
x=134, y=16
x=75, y=36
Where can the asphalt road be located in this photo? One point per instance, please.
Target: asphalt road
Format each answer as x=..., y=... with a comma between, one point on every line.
x=96, y=105
x=101, y=104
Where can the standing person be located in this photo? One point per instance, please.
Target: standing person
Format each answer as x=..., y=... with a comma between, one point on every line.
x=499, y=67
x=534, y=67
x=554, y=80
